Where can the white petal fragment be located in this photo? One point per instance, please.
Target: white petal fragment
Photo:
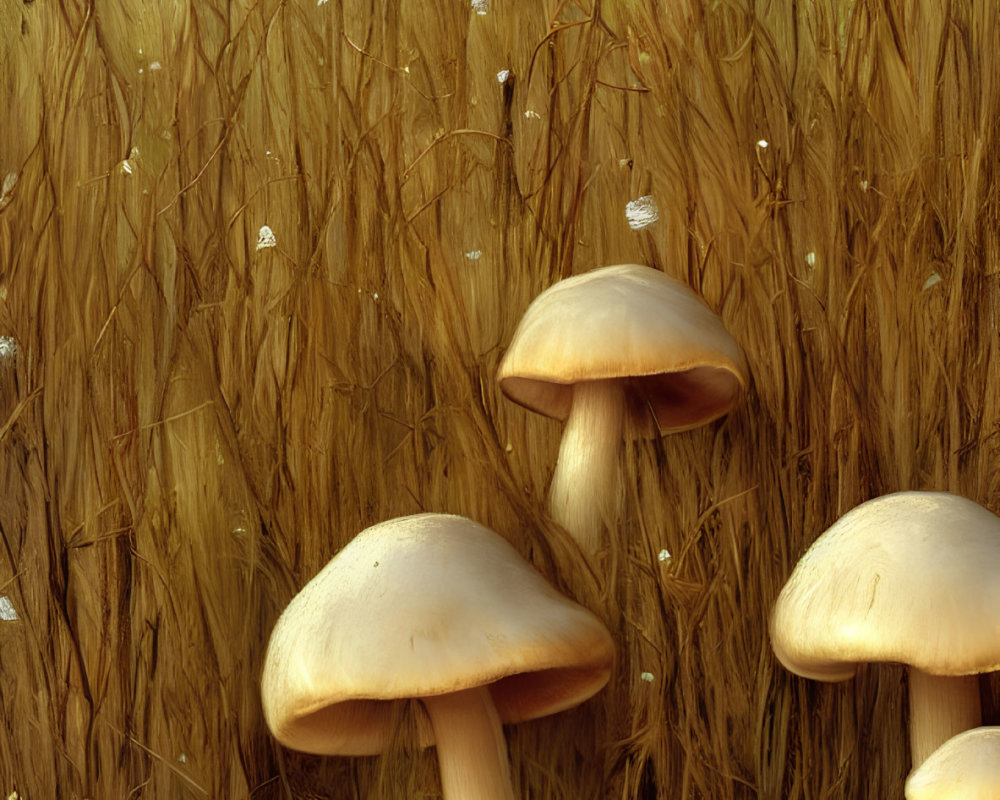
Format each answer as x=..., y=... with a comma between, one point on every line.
x=646, y=677
x=9, y=180
x=474, y=255
x=265, y=238
x=7, y=611
x=8, y=348
x=481, y=6
x=641, y=213
x=502, y=75
x=932, y=280
x=664, y=555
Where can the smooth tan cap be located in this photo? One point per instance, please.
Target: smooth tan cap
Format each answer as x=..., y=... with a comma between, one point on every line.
x=910, y=577
x=626, y=321
x=421, y=606
x=966, y=767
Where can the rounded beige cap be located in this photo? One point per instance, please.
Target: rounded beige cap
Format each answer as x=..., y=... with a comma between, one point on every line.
x=910, y=577
x=632, y=322
x=966, y=767
x=421, y=606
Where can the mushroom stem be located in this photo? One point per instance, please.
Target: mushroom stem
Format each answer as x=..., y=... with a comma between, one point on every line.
x=940, y=707
x=472, y=751
x=584, y=491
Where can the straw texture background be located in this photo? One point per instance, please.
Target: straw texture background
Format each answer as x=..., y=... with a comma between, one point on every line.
x=191, y=427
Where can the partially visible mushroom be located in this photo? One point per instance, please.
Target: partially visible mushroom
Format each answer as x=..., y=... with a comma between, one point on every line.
x=908, y=577
x=966, y=767
x=441, y=609
x=617, y=343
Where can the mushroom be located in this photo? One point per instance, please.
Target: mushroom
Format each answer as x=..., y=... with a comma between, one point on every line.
x=441, y=609
x=966, y=767
x=909, y=577
x=617, y=343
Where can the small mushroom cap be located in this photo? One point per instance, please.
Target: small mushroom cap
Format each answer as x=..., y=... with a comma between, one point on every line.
x=625, y=322
x=421, y=606
x=908, y=577
x=966, y=767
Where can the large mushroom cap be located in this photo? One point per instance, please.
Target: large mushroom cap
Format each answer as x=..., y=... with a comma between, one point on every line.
x=966, y=767
x=910, y=577
x=421, y=606
x=626, y=321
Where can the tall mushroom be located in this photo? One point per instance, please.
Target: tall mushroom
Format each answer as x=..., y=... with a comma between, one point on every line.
x=908, y=577
x=617, y=343
x=441, y=609
x=966, y=767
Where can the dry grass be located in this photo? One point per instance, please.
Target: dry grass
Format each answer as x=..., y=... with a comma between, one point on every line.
x=191, y=427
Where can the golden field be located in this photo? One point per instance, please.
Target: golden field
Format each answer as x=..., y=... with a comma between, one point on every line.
x=191, y=425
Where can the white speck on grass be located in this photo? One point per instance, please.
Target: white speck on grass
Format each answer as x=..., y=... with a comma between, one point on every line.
x=321, y=2
x=762, y=144
x=481, y=6
x=126, y=167
x=9, y=181
x=155, y=66
x=646, y=677
x=811, y=259
x=266, y=238
x=375, y=296
x=8, y=348
x=7, y=611
x=530, y=114
x=502, y=75
x=183, y=758
x=641, y=213
x=864, y=186
x=474, y=255
x=932, y=280
x=664, y=555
